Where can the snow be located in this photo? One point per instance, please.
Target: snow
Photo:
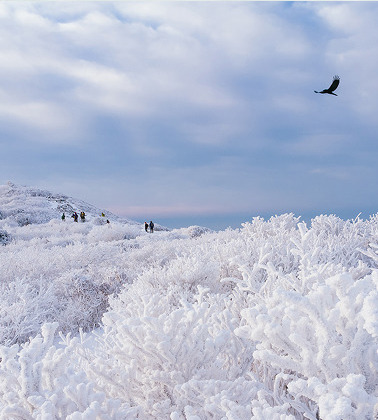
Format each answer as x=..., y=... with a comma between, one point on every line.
x=275, y=320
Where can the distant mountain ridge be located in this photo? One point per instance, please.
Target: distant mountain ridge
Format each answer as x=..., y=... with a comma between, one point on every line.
x=25, y=205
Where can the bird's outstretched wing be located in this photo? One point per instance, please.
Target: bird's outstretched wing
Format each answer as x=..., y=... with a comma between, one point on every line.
x=335, y=83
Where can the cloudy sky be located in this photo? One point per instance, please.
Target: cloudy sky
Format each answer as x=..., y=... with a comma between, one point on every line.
x=182, y=111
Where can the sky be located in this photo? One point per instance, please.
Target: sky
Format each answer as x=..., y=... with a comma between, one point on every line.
x=193, y=112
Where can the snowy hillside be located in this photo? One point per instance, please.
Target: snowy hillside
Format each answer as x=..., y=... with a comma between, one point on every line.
x=30, y=205
x=276, y=320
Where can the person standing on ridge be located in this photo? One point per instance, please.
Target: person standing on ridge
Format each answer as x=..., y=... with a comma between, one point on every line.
x=145, y=226
x=151, y=226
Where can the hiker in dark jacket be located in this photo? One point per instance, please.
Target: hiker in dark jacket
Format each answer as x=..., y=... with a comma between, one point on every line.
x=145, y=226
x=151, y=227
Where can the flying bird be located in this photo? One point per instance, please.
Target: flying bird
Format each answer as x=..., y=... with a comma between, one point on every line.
x=335, y=83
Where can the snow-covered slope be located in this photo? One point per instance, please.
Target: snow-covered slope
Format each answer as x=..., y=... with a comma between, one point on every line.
x=25, y=205
x=273, y=321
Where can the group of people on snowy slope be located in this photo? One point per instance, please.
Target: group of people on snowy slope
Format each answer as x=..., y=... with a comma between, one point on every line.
x=75, y=216
x=149, y=225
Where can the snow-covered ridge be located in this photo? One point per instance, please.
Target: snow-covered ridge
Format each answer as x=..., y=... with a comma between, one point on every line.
x=25, y=205
x=273, y=321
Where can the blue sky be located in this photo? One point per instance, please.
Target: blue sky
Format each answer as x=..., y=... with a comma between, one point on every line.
x=190, y=112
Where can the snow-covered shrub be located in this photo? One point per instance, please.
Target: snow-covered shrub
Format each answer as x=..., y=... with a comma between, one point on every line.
x=24, y=306
x=173, y=359
x=112, y=232
x=331, y=246
x=39, y=381
x=196, y=231
x=56, y=279
x=315, y=341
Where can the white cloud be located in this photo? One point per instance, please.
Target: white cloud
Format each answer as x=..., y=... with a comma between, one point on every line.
x=41, y=115
x=149, y=61
x=348, y=18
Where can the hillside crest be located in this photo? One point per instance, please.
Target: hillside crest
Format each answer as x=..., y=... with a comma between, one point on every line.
x=26, y=205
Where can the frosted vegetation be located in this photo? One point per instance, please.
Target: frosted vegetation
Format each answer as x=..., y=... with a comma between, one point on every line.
x=275, y=320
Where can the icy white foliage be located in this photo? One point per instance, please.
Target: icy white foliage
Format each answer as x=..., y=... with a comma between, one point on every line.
x=40, y=381
x=276, y=320
x=196, y=231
